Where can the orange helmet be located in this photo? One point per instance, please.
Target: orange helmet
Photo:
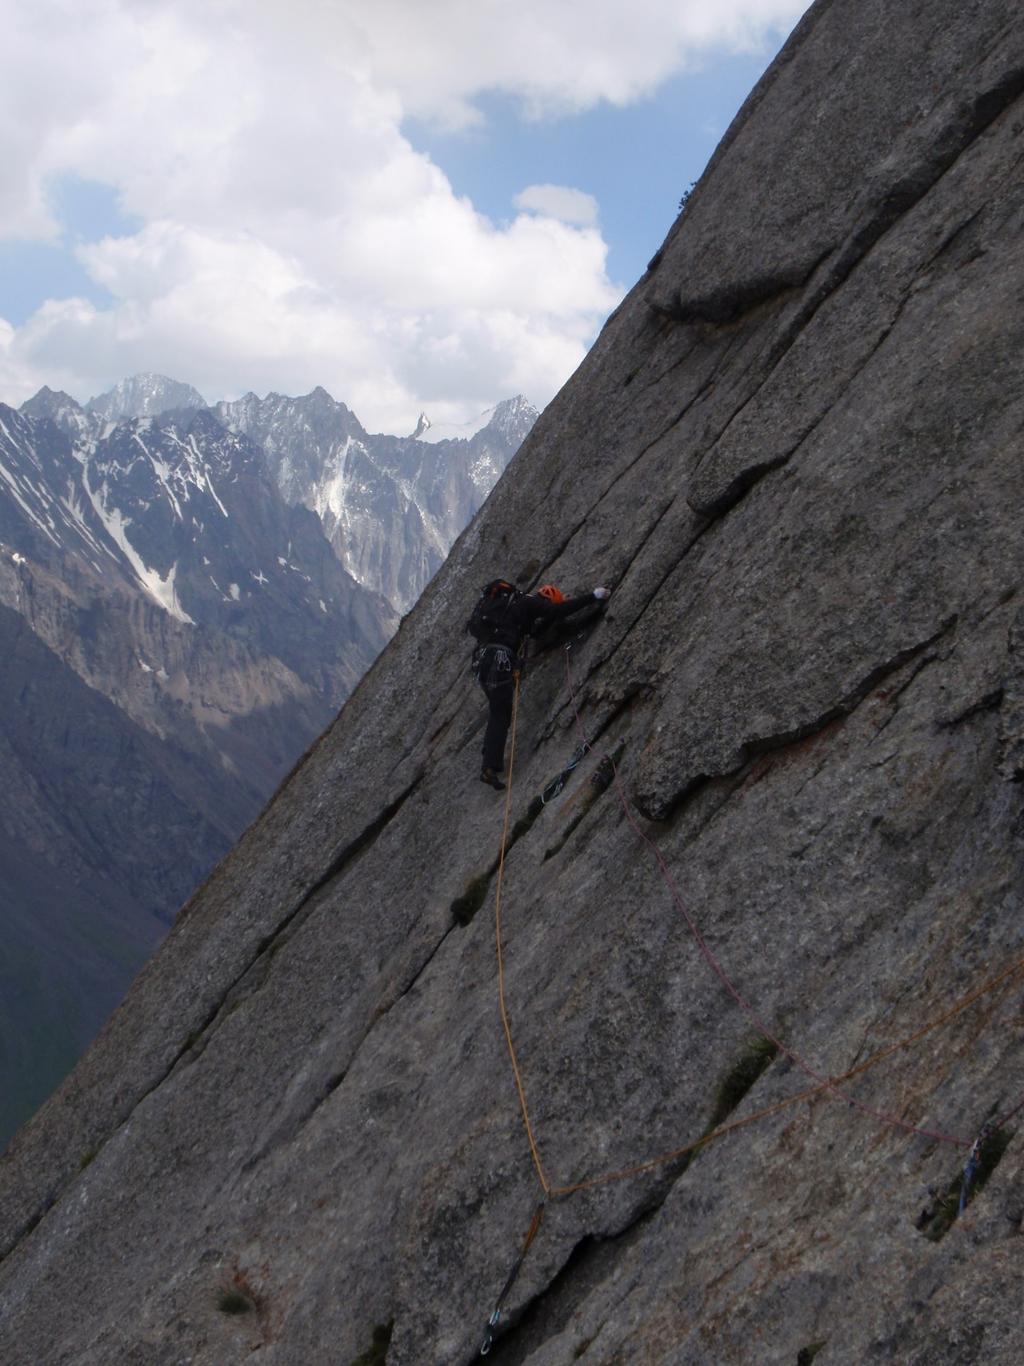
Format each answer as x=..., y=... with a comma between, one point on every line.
x=552, y=593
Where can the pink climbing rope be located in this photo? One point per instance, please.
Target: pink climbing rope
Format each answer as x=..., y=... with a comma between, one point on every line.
x=826, y=1083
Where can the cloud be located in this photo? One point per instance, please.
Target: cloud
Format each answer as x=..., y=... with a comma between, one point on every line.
x=291, y=234
x=559, y=201
x=555, y=55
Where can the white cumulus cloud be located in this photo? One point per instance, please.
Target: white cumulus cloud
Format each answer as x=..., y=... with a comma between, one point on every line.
x=290, y=233
x=557, y=55
x=559, y=201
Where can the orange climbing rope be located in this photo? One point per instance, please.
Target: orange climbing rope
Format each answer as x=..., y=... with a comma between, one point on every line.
x=534, y=1153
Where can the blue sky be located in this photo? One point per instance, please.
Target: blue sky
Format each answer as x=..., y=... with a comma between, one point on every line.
x=419, y=207
x=635, y=161
x=32, y=272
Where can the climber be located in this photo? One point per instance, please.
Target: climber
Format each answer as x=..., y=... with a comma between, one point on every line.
x=501, y=621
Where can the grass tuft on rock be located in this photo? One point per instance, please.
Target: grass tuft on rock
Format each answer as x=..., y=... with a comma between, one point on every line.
x=465, y=907
x=233, y=1300
x=807, y=1354
x=755, y=1059
x=377, y=1352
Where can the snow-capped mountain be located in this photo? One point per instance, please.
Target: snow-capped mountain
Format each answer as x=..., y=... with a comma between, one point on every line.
x=173, y=635
x=145, y=396
x=391, y=506
x=181, y=514
x=175, y=629
x=63, y=411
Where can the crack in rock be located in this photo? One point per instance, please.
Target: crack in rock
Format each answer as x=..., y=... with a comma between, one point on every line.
x=655, y=806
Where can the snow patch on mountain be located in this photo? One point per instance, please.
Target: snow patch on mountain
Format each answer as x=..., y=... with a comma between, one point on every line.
x=20, y=495
x=391, y=507
x=331, y=497
x=160, y=587
x=72, y=503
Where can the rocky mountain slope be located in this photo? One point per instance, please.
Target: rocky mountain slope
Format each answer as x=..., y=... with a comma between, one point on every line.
x=173, y=636
x=795, y=450
x=100, y=837
x=174, y=561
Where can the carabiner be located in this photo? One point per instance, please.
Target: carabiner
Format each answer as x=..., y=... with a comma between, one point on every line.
x=488, y=1341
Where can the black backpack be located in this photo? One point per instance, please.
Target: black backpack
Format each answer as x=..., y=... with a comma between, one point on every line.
x=488, y=616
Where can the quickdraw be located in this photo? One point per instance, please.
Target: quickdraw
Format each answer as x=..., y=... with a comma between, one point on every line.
x=554, y=788
x=495, y=1319
x=971, y=1166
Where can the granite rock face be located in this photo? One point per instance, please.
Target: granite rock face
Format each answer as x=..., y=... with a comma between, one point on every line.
x=795, y=450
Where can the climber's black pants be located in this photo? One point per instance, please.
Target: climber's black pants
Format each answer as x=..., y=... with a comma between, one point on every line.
x=496, y=678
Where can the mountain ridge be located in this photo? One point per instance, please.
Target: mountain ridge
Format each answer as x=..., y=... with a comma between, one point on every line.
x=150, y=549
x=201, y=632
x=391, y=506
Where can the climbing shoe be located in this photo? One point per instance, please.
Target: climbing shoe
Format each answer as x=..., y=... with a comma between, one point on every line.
x=488, y=775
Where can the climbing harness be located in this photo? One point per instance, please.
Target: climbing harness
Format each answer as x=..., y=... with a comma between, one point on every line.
x=495, y=1319
x=490, y=663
